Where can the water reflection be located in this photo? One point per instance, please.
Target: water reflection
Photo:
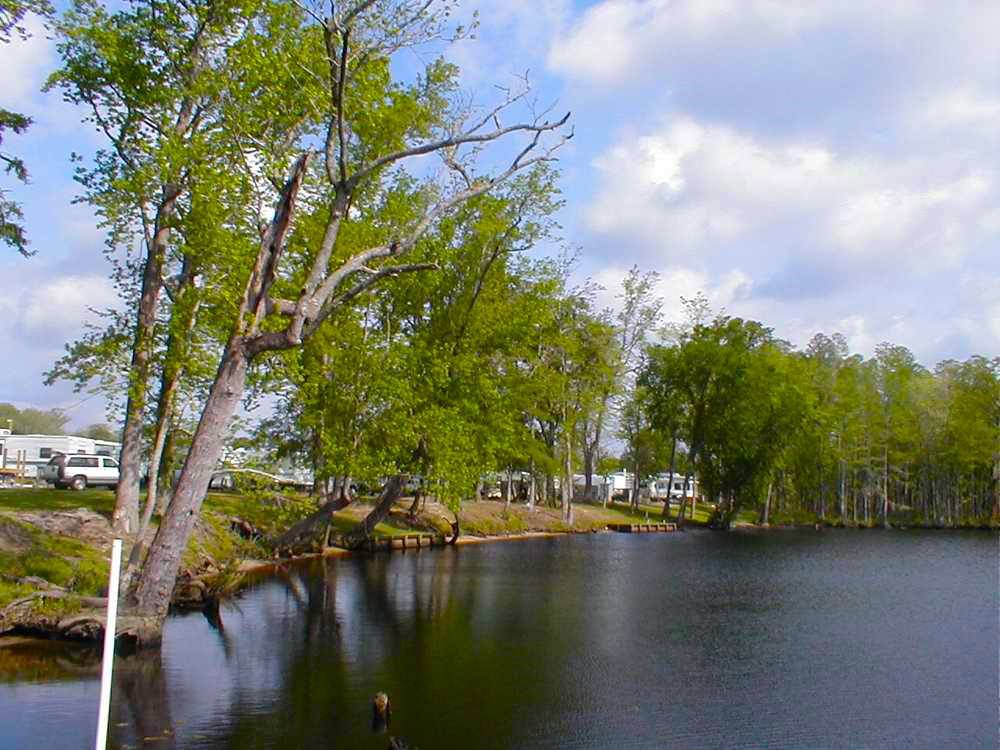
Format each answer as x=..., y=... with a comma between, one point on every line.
x=693, y=640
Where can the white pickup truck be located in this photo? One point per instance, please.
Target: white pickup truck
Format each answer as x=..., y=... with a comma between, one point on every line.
x=80, y=470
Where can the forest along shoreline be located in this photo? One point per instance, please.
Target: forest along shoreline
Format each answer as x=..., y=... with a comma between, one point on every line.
x=55, y=546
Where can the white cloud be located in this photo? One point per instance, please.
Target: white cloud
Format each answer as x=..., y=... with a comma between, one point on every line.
x=964, y=107
x=513, y=38
x=676, y=284
x=617, y=42
x=806, y=238
x=26, y=63
x=60, y=307
x=690, y=189
x=615, y=37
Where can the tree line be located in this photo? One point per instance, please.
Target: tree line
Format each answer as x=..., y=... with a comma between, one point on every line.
x=844, y=438
x=300, y=215
x=29, y=421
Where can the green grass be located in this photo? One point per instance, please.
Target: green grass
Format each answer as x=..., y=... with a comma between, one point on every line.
x=701, y=516
x=496, y=525
x=49, y=498
x=10, y=592
x=65, y=562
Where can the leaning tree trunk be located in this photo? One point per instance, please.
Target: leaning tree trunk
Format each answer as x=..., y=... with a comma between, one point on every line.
x=173, y=370
x=363, y=531
x=307, y=529
x=155, y=584
x=125, y=518
x=417, y=497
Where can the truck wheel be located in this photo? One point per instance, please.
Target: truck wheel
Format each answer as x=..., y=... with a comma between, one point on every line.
x=78, y=483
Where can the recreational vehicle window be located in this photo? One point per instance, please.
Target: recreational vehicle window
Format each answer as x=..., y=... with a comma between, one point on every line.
x=45, y=453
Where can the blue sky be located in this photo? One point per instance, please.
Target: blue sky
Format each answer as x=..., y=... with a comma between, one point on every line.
x=819, y=166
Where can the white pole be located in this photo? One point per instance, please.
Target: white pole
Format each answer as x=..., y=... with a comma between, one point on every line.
x=109, y=647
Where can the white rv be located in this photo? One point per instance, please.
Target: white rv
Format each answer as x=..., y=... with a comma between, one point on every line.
x=663, y=487
x=33, y=451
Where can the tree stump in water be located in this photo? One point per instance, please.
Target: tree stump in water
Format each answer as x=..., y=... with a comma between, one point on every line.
x=381, y=712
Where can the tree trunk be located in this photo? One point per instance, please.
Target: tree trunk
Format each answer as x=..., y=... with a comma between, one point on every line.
x=507, y=491
x=346, y=495
x=306, y=529
x=670, y=486
x=765, y=519
x=125, y=518
x=166, y=472
x=412, y=512
x=885, y=489
x=635, y=485
x=363, y=531
x=173, y=370
x=156, y=581
x=567, y=483
x=682, y=509
x=590, y=449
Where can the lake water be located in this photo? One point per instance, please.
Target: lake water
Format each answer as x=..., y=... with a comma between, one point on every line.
x=784, y=639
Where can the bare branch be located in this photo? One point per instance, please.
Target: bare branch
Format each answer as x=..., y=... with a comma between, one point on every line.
x=456, y=140
x=305, y=9
x=356, y=11
x=370, y=280
x=271, y=244
x=351, y=266
x=280, y=306
x=342, y=77
x=448, y=155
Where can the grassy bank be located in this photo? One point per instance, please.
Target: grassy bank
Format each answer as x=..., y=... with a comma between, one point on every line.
x=61, y=539
x=55, y=544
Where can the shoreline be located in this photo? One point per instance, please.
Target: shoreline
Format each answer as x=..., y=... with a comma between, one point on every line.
x=219, y=567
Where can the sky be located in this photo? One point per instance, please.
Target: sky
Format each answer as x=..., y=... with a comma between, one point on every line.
x=818, y=165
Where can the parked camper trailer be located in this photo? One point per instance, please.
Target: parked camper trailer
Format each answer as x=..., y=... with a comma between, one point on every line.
x=663, y=487
x=34, y=451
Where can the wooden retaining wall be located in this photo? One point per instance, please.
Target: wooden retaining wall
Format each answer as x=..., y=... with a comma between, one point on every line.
x=404, y=542
x=641, y=528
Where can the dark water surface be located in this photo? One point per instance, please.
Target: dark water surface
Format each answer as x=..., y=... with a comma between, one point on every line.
x=784, y=639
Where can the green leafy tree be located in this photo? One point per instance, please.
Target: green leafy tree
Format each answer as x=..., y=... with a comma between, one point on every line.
x=254, y=88
x=12, y=15
x=100, y=431
x=738, y=399
x=33, y=421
